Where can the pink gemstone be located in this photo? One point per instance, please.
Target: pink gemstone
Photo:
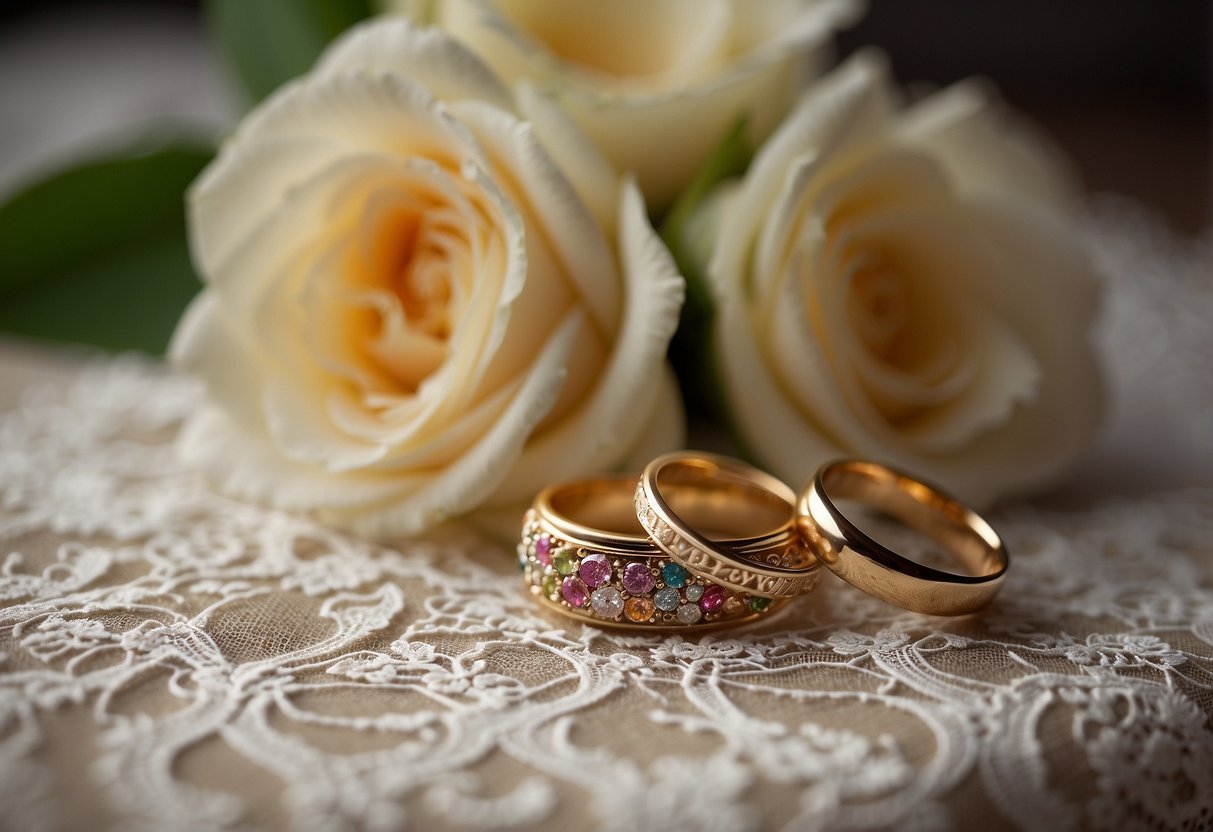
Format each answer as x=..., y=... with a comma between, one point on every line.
x=712, y=598
x=543, y=550
x=638, y=579
x=575, y=591
x=595, y=570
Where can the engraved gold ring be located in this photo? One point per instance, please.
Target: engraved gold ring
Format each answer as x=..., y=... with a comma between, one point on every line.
x=585, y=554
x=785, y=571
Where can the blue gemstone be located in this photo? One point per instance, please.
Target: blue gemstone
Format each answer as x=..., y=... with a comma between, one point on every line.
x=673, y=575
x=666, y=599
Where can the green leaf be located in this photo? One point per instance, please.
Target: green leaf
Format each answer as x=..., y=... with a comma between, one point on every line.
x=690, y=348
x=98, y=254
x=269, y=42
x=729, y=159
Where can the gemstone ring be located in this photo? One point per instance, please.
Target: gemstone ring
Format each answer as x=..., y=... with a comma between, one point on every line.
x=585, y=554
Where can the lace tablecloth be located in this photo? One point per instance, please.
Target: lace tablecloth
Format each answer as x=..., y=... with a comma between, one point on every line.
x=171, y=659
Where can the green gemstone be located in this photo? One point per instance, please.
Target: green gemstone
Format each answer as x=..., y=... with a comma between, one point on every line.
x=759, y=604
x=564, y=561
x=551, y=585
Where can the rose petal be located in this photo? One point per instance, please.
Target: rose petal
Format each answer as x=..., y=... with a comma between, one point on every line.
x=240, y=189
x=1007, y=376
x=589, y=172
x=475, y=475
x=784, y=25
x=969, y=368
x=799, y=319
x=568, y=229
x=207, y=346
x=850, y=102
x=304, y=433
x=993, y=390
x=634, y=131
x=603, y=428
x=665, y=431
x=768, y=425
x=986, y=150
x=427, y=56
x=432, y=448
x=243, y=462
x=271, y=252
x=819, y=202
x=317, y=121
x=1053, y=428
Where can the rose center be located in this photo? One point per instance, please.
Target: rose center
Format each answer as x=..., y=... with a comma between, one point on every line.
x=407, y=301
x=879, y=308
x=422, y=282
x=897, y=324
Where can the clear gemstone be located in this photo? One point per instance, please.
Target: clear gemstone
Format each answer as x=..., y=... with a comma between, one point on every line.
x=688, y=614
x=666, y=599
x=638, y=579
x=607, y=602
x=694, y=592
x=595, y=569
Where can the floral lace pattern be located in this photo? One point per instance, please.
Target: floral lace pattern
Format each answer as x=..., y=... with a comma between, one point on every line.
x=173, y=659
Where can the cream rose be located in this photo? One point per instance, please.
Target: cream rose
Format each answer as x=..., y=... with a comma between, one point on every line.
x=907, y=285
x=655, y=83
x=423, y=295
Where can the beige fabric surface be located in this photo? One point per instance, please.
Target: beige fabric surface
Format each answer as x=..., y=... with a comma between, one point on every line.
x=173, y=659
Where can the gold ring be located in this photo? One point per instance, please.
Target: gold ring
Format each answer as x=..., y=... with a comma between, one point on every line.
x=740, y=496
x=862, y=562
x=585, y=555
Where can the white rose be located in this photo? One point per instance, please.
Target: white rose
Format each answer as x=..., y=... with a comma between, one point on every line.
x=909, y=286
x=655, y=83
x=423, y=295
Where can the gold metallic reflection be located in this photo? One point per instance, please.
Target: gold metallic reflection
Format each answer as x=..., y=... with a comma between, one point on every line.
x=858, y=559
x=724, y=511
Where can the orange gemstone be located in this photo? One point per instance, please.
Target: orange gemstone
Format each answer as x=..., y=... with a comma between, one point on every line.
x=733, y=605
x=638, y=609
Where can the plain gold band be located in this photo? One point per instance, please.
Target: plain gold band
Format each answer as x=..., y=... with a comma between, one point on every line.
x=862, y=562
x=790, y=572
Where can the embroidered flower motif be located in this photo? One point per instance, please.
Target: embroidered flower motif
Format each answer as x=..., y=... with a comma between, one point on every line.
x=1121, y=650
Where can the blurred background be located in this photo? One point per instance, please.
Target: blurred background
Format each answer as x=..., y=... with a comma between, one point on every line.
x=1124, y=86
